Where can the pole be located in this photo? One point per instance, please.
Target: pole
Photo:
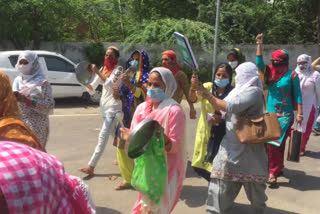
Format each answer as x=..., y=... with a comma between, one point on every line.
x=216, y=31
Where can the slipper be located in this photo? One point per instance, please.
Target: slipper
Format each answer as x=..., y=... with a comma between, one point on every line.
x=272, y=179
x=113, y=178
x=123, y=186
x=86, y=170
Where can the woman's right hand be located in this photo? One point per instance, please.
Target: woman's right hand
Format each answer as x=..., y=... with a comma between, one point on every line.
x=21, y=98
x=89, y=87
x=93, y=68
x=194, y=82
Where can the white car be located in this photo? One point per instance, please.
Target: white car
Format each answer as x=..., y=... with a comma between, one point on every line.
x=59, y=70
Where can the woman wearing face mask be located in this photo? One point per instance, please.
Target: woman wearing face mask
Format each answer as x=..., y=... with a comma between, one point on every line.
x=110, y=104
x=34, y=95
x=132, y=92
x=235, y=58
x=310, y=89
x=236, y=164
x=210, y=129
x=161, y=107
x=283, y=92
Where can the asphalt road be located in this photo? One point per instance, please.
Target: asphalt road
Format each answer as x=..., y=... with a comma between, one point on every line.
x=73, y=137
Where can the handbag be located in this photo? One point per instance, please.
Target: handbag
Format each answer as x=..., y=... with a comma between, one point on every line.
x=294, y=146
x=258, y=129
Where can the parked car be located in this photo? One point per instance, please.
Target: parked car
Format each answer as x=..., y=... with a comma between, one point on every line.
x=59, y=70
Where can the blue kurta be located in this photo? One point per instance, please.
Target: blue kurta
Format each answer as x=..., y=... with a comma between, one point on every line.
x=281, y=96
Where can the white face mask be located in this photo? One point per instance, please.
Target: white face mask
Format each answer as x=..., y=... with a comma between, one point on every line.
x=302, y=67
x=24, y=69
x=233, y=64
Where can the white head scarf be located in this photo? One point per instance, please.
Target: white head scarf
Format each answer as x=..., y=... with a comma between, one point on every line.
x=168, y=79
x=307, y=59
x=26, y=82
x=247, y=75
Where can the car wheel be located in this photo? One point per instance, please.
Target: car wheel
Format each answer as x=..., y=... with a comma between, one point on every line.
x=95, y=98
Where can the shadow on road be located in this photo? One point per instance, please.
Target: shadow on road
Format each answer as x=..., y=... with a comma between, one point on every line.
x=104, y=210
x=72, y=102
x=194, y=196
x=245, y=208
x=299, y=180
x=310, y=154
x=88, y=177
x=190, y=171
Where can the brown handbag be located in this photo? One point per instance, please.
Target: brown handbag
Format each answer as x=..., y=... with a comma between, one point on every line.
x=258, y=129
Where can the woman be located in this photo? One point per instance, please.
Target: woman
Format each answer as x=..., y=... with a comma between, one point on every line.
x=169, y=60
x=38, y=184
x=316, y=67
x=110, y=104
x=210, y=132
x=236, y=164
x=283, y=94
x=34, y=95
x=12, y=127
x=235, y=58
x=132, y=92
x=310, y=89
x=161, y=107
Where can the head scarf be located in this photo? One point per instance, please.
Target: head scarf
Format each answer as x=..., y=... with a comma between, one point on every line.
x=228, y=88
x=110, y=64
x=139, y=79
x=276, y=72
x=24, y=83
x=304, y=58
x=36, y=178
x=11, y=126
x=236, y=53
x=168, y=79
x=172, y=55
x=246, y=76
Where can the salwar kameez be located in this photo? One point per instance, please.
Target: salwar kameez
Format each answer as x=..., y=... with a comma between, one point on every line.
x=282, y=95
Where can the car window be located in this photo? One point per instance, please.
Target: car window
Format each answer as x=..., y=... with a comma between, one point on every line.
x=57, y=64
x=13, y=60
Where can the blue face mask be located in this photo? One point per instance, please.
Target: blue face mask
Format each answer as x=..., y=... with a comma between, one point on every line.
x=221, y=83
x=156, y=95
x=134, y=63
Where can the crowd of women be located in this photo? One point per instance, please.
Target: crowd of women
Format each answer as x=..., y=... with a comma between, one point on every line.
x=237, y=88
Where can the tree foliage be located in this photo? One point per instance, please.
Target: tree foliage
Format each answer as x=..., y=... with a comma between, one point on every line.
x=26, y=22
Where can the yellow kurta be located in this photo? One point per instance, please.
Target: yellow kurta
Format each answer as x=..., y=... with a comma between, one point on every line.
x=203, y=133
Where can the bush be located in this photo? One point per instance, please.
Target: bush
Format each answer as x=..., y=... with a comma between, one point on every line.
x=94, y=53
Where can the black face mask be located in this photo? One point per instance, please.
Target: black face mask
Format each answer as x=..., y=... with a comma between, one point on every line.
x=276, y=63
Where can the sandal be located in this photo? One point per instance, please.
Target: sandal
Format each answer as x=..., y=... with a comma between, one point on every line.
x=301, y=153
x=113, y=178
x=123, y=186
x=272, y=179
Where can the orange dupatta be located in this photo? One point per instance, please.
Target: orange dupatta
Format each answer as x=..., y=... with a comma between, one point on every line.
x=12, y=128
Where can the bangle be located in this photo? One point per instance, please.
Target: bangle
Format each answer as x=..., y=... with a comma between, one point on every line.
x=28, y=101
x=33, y=101
x=259, y=42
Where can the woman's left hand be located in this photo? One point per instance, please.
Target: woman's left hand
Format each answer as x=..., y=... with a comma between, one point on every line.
x=124, y=133
x=22, y=98
x=215, y=120
x=299, y=118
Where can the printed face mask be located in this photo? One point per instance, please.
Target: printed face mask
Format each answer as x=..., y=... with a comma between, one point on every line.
x=221, y=83
x=302, y=67
x=156, y=95
x=24, y=69
x=233, y=64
